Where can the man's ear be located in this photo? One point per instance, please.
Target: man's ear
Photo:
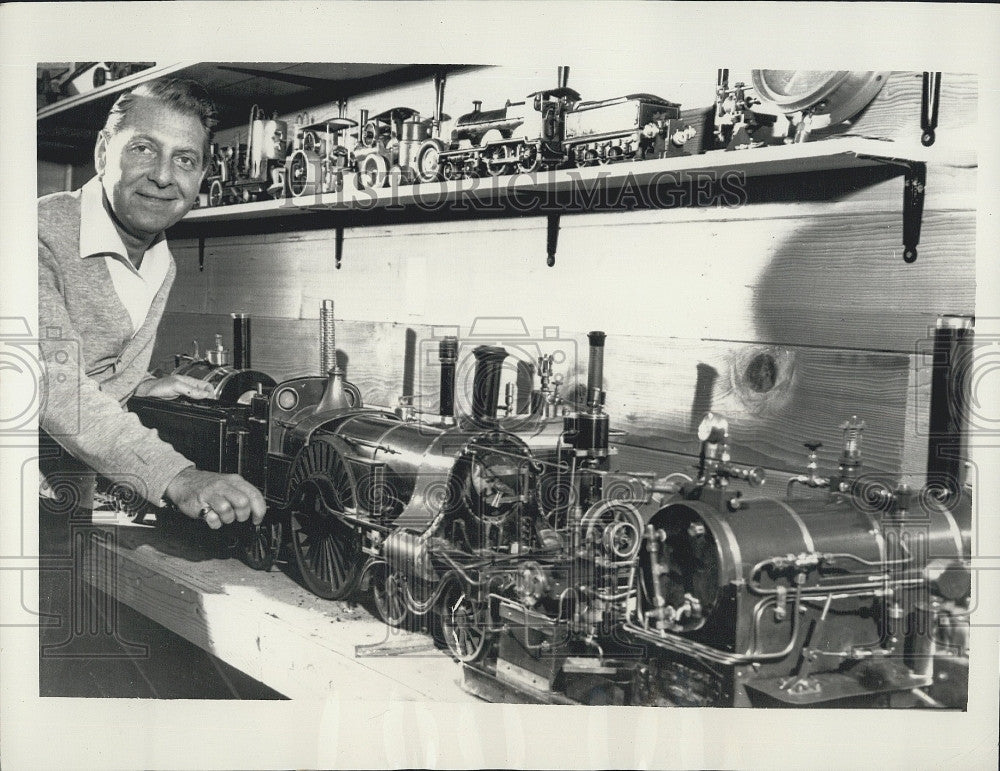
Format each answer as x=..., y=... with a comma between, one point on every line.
x=101, y=152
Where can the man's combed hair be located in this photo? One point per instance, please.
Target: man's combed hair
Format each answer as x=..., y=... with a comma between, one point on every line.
x=182, y=94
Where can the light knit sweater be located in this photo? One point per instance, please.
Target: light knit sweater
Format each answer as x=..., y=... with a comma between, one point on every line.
x=92, y=361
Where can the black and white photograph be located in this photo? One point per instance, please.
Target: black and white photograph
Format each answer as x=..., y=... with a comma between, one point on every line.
x=499, y=385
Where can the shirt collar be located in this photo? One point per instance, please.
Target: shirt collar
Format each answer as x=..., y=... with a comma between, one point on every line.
x=98, y=235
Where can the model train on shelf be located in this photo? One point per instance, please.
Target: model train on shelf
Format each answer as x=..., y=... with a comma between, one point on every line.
x=548, y=129
x=549, y=575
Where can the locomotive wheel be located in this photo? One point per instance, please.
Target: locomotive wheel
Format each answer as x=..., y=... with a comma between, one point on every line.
x=428, y=166
x=464, y=624
x=374, y=172
x=529, y=160
x=388, y=588
x=450, y=171
x=587, y=157
x=301, y=174
x=327, y=551
x=497, y=161
x=258, y=545
x=247, y=195
x=215, y=193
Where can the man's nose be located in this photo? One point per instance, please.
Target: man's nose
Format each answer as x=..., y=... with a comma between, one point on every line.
x=162, y=172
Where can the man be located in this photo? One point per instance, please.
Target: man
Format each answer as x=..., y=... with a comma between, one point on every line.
x=104, y=273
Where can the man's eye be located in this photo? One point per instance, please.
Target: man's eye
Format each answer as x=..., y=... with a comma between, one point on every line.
x=142, y=149
x=186, y=162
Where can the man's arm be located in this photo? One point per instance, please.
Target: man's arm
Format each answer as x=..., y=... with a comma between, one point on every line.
x=93, y=427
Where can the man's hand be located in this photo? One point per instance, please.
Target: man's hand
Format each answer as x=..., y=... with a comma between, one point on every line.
x=224, y=498
x=172, y=386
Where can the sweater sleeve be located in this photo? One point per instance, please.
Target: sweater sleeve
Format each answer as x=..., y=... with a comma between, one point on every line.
x=90, y=424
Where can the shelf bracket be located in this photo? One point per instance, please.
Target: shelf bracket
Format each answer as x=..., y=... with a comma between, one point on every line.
x=913, y=208
x=552, y=240
x=914, y=187
x=929, y=102
x=338, y=247
x=201, y=254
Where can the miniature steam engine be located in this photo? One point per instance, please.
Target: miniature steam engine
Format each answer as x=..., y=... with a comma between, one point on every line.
x=553, y=128
x=248, y=171
x=552, y=577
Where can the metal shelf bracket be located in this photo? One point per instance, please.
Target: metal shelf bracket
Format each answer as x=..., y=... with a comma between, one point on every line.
x=552, y=240
x=914, y=187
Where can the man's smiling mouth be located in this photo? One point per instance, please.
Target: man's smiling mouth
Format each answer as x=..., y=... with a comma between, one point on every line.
x=155, y=197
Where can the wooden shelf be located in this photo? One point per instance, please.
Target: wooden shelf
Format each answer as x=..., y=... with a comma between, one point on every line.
x=849, y=153
x=265, y=624
x=553, y=193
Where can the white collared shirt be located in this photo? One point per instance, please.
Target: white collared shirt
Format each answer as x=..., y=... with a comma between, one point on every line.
x=99, y=237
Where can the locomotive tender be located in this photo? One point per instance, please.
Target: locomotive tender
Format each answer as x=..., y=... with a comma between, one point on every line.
x=551, y=577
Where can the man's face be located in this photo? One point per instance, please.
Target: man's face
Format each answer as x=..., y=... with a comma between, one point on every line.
x=152, y=167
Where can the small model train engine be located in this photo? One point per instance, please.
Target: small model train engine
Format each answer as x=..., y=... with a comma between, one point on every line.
x=252, y=170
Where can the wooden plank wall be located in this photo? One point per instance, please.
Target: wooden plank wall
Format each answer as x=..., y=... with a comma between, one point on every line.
x=788, y=314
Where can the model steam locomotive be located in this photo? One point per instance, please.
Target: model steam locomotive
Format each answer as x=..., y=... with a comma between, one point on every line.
x=551, y=576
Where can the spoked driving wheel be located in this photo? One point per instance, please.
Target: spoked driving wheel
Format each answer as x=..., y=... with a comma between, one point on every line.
x=464, y=624
x=388, y=592
x=215, y=193
x=258, y=545
x=327, y=551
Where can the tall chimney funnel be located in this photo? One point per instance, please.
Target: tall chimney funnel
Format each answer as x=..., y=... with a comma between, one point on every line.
x=595, y=371
x=486, y=384
x=241, y=340
x=448, y=356
x=948, y=429
x=334, y=397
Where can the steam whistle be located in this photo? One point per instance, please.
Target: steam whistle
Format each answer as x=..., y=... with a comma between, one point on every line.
x=550, y=403
x=714, y=466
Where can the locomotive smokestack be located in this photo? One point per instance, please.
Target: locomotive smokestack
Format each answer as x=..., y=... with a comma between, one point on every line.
x=438, y=98
x=486, y=383
x=595, y=371
x=949, y=408
x=241, y=340
x=563, y=77
x=364, y=118
x=476, y=105
x=448, y=356
x=334, y=397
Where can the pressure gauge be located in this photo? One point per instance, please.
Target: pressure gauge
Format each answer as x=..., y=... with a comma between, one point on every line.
x=840, y=94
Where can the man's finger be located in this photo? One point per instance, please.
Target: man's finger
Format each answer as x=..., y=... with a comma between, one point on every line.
x=222, y=507
x=211, y=517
